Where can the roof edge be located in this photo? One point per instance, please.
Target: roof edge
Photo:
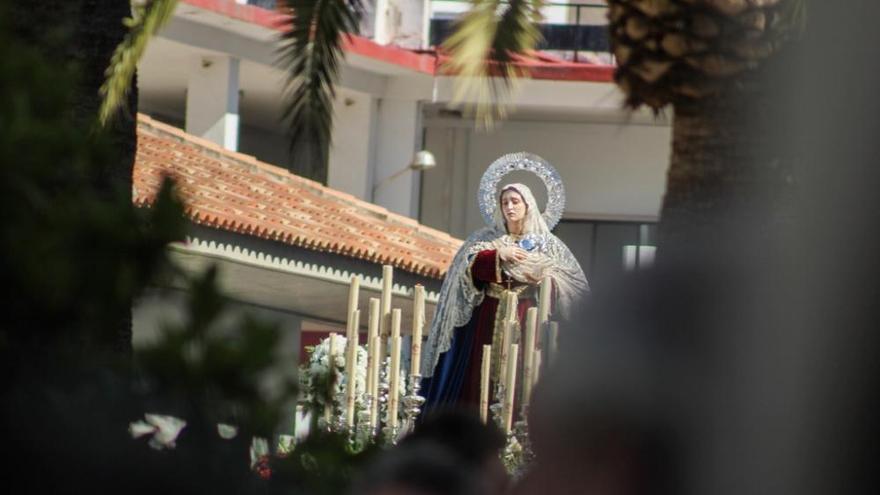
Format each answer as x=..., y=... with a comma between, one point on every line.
x=422, y=61
x=284, y=174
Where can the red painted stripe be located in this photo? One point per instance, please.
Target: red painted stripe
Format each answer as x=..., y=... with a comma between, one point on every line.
x=542, y=67
x=247, y=13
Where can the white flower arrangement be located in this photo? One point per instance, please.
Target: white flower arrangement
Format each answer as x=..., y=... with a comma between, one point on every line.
x=318, y=367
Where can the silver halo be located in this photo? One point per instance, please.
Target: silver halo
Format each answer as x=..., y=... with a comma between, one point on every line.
x=487, y=195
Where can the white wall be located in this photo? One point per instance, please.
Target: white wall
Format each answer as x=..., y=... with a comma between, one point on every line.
x=352, y=153
x=611, y=170
x=158, y=308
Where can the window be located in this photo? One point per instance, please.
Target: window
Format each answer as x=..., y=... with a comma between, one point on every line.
x=608, y=249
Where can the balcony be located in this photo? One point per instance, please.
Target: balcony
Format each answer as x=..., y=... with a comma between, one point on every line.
x=266, y=4
x=571, y=29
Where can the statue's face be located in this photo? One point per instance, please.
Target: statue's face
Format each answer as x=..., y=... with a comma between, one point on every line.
x=513, y=207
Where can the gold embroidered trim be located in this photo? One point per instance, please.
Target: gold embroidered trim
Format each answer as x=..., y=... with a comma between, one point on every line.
x=497, y=291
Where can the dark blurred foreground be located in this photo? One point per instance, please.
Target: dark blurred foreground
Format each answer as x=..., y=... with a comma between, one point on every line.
x=751, y=365
x=748, y=366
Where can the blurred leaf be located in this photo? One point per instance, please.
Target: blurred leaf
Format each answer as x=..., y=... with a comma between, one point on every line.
x=485, y=47
x=310, y=53
x=146, y=20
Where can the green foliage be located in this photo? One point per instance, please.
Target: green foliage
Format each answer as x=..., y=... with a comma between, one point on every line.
x=146, y=20
x=322, y=464
x=310, y=53
x=73, y=258
x=484, y=48
x=219, y=372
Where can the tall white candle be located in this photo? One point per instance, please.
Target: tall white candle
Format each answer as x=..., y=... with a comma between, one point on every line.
x=331, y=367
x=350, y=366
x=385, y=311
x=510, y=387
x=387, y=284
x=554, y=342
x=509, y=326
x=372, y=347
x=353, y=295
x=484, y=383
x=503, y=352
x=374, y=379
x=418, y=323
x=543, y=307
x=528, y=355
x=394, y=392
x=536, y=367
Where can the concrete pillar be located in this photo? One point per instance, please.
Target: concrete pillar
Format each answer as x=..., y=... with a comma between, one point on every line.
x=352, y=152
x=383, y=32
x=402, y=22
x=398, y=136
x=212, y=100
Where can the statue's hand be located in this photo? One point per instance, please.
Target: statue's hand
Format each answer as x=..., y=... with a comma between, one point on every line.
x=512, y=254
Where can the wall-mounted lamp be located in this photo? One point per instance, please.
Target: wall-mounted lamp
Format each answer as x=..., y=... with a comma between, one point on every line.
x=422, y=160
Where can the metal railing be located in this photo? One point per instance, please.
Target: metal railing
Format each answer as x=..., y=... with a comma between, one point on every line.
x=581, y=34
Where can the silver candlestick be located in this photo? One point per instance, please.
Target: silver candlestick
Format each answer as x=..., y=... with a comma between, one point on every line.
x=412, y=403
x=384, y=398
x=364, y=429
x=340, y=423
x=497, y=409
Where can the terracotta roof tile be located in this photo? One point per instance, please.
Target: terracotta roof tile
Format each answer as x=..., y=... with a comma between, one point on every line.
x=235, y=192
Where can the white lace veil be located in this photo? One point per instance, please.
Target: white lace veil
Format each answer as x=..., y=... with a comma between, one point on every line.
x=459, y=296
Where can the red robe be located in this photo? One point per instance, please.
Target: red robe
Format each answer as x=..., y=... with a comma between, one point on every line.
x=485, y=269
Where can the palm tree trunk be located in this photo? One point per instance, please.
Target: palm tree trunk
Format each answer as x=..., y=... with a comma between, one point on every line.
x=728, y=186
x=85, y=33
x=99, y=31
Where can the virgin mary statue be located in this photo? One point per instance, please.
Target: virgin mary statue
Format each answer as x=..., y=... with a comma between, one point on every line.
x=515, y=251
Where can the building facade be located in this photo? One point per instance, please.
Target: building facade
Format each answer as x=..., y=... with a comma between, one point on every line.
x=212, y=73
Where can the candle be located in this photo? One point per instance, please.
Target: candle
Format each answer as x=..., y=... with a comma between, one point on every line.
x=394, y=392
x=484, y=383
x=350, y=366
x=509, y=327
x=543, y=306
x=353, y=290
x=387, y=280
x=510, y=387
x=385, y=311
x=553, y=337
x=512, y=302
x=536, y=367
x=418, y=323
x=372, y=348
x=528, y=354
x=503, y=355
x=374, y=379
x=331, y=367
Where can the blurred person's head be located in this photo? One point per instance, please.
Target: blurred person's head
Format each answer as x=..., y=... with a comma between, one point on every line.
x=416, y=468
x=475, y=444
x=600, y=419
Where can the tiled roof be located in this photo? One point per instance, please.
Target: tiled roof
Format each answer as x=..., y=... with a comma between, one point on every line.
x=236, y=193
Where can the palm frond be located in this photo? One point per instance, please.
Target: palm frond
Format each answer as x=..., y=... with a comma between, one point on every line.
x=146, y=20
x=310, y=53
x=484, y=48
x=794, y=16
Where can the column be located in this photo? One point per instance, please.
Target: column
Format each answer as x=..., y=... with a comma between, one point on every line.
x=352, y=150
x=398, y=136
x=212, y=100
